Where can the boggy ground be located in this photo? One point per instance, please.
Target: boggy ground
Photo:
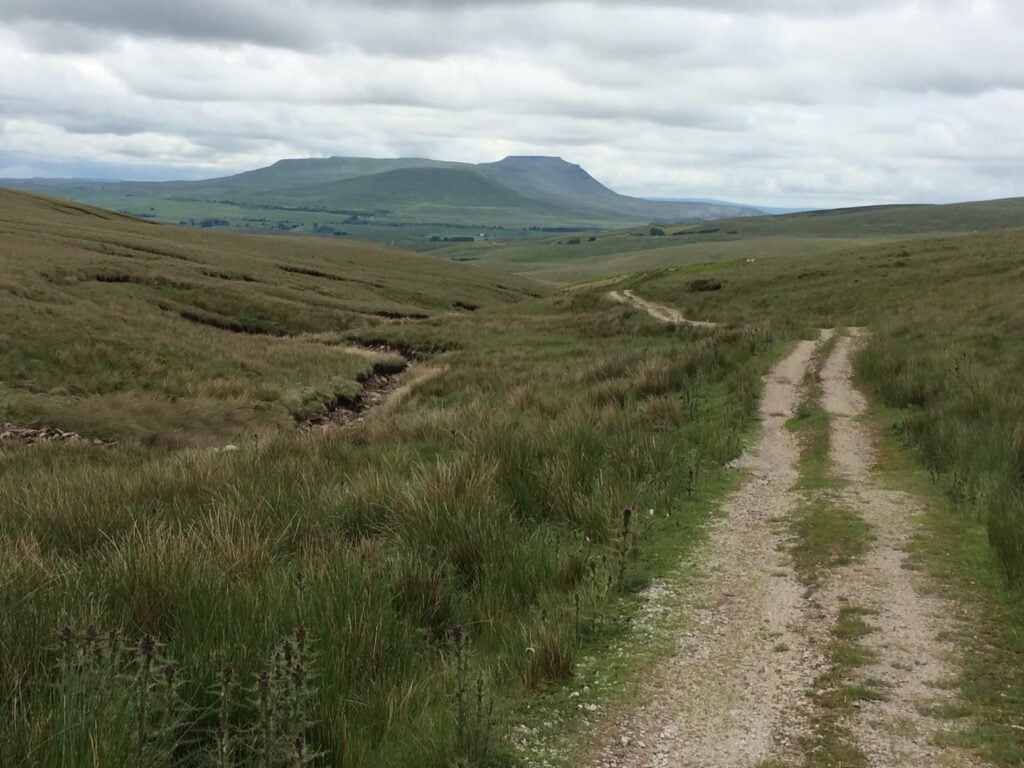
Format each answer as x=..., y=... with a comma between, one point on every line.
x=767, y=670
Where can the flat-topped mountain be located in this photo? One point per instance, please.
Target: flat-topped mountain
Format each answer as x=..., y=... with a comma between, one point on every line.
x=329, y=195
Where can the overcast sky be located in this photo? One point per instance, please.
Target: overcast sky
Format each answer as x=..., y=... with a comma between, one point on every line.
x=776, y=102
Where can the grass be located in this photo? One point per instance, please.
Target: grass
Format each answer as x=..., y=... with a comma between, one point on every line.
x=825, y=532
x=945, y=360
x=837, y=695
x=956, y=552
x=480, y=502
x=492, y=499
x=944, y=349
x=623, y=647
x=121, y=329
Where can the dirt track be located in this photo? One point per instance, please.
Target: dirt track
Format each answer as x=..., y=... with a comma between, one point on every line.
x=752, y=640
x=913, y=663
x=658, y=311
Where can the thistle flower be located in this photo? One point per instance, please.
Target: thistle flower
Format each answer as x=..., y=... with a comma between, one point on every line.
x=65, y=636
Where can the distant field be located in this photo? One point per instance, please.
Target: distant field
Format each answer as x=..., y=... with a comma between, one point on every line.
x=584, y=256
x=277, y=218
x=616, y=254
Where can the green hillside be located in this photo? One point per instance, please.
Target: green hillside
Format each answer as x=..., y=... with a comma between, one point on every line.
x=337, y=589
x=117, y=327
x=570, y=187
x=888, y=220
x=366, y=593
x=565, y=258
x=289, y=174
x=419, y=189
x=405, y=201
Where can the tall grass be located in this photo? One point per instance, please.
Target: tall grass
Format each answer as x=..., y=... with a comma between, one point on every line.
x=490, y=500
x=946, y=350
x=965, y=421
x=120, y=329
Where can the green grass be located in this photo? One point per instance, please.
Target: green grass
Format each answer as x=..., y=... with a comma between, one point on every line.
x=837, y=695
x=956, y=552
x=825, y=532
x=946, y=358
x=491, y=498
x=122, y=329
x=480, y=501
x=944, y=314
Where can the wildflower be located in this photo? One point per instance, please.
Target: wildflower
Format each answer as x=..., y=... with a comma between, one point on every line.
x=147, y=645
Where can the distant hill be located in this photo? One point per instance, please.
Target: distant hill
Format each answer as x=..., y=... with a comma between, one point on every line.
x=763, y=208
x=881, y=220
x=378, y=197
x=561, y=259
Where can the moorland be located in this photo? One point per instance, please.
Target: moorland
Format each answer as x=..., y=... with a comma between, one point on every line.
x=215, y=584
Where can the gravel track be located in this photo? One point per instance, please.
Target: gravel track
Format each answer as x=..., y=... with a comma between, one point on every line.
x=735, y=693
x=751, y=640
x=913, y=661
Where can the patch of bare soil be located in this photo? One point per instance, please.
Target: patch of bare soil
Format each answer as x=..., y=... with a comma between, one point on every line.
x=914, y=663
x=735, y=694
x=376, y=390
x=379, y=392
x=658, y=311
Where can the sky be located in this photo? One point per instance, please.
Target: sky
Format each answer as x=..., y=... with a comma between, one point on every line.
x=814, y=103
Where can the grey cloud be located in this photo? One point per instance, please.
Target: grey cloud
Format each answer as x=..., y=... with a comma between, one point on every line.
x=257, y=21
x=793, y=102
x=304, y=24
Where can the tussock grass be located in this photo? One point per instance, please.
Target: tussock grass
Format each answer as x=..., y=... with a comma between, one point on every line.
x=490, y=499
x=945, y=317
x=116, y=328
x=946, y=360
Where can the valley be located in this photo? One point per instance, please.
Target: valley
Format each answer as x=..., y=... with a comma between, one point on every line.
x=514, y=502
x=413, y=202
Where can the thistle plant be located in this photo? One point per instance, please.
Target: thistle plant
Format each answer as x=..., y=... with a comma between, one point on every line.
x=284, y=703
x=474, y=725
x=624, y=545
x=119, y=704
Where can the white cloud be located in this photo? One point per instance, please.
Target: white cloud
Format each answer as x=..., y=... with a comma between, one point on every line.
x=773, y=102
